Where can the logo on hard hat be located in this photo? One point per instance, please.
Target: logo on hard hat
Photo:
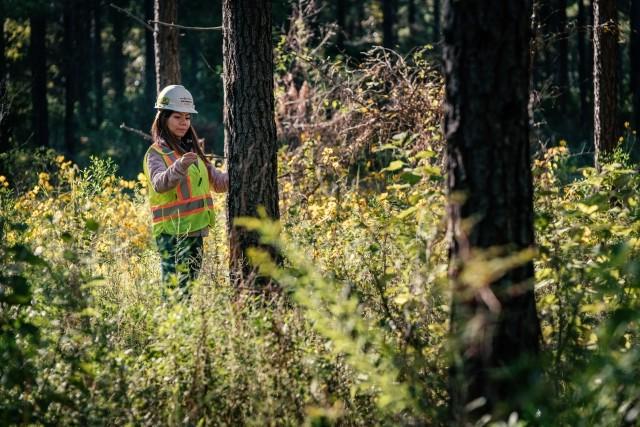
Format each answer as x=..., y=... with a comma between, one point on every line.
x=164, y=101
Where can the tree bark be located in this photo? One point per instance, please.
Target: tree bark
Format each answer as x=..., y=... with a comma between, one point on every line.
x=167, y=52
x=3, y=58
x=494, y=323
x=250, y=132
x=341, y=19
x=38, y=58
x=388, y=23
x=411, y=16
x=605, y=89
x=69, y=70
x=4, y=134
x=560, y=51
x=82, y=30
x=634, y=55
x=117, y=57
x=98, y=63
x=150, y=86
x=437, y=16
x=583, y=63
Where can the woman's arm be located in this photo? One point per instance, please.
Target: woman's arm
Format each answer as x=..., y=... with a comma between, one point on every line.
x=219, y=180
x=165, y=178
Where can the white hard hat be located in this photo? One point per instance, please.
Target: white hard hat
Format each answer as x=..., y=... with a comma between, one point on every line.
x=175, y=98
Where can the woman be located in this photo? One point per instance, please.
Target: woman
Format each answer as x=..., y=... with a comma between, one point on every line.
x=180, y=178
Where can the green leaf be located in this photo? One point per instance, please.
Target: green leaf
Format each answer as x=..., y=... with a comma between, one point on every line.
x=69, y=255
x=24, y=254
x=405, y=213
x=399, y=136
x=20, y=290
x=410, y=178
x=384, y=147
x=425, y=154
x=91, y=225
x=394, y=166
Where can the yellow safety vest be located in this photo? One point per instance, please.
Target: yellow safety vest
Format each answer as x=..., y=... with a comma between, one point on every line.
x=186, y=208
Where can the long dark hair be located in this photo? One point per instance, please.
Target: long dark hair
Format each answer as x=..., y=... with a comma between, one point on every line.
x=160, y=131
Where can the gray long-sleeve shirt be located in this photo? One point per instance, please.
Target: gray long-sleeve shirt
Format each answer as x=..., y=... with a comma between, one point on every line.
x=165, y=178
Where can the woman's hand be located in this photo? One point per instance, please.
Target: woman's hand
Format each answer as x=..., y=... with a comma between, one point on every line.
x=185, y=161
x=189, y=158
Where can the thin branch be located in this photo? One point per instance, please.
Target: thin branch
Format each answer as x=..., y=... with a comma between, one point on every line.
x=136, y=131
x=146, y=136
x=182, y=27
x=207, y=63
x=324, y=40
x=132, y=16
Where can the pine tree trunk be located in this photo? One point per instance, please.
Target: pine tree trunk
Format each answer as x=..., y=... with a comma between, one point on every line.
x=250, y=133
x=634, y=55
x=605, y=49
x=38, y=57
x=560, y=34
x=83, y=39
x=341, y=19
x=388, y=23
x=4, y=108
x=411, y=16
x=494, y=324
x=117, y=57
x=583, y=64
x=3, y=58
x=150, y=86
x=98, y=63
x=356, y=23
x=437, y=19
x=69, y=70
x=167, y=51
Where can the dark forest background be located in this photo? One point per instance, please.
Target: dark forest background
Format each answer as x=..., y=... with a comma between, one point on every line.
x=73, y=71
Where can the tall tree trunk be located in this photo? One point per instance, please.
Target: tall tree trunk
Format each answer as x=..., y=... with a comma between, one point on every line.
x=411, y=16
x=69, y=71
x=98, y=62
x=117, y=57
x=583, y=63
x=634, y=56
x=605, y=89
x=250, y=132
x=437, y=19
x=341, y=19
x=38, y=58
x=167, y=50
x=388, y=23
x=356, y=24
x=494, y=322
x=560, y=51
x=83, y=39
x=149, y=59
x=3, y=58
x=4, y=108
x=622, y=11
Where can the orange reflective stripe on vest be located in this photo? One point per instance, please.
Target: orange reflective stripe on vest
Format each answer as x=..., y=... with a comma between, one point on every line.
x=181, y=208
x=170, y=158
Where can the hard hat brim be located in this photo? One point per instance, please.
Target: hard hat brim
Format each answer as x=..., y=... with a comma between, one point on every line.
x=176, y=108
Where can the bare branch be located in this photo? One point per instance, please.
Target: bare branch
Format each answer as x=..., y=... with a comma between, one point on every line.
x=132, y=16
x=182, y=27
x=147, y=137
x=136, y=131
x=207, y=63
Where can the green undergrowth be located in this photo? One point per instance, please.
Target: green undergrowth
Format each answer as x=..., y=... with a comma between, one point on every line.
x=360, y=334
